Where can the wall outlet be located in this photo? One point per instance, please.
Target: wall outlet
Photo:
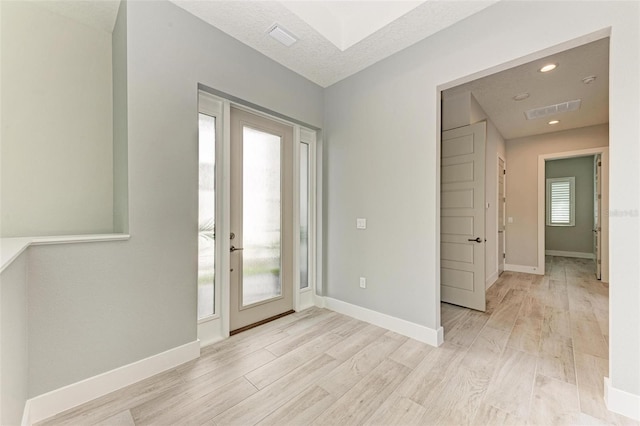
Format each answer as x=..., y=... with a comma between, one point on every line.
x=363, y=282
x=361, y=223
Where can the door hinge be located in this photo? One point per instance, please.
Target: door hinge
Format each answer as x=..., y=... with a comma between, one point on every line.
x=504, y=171
x=504, y=255
x=504, y=199
x=599, y=261
x=599, y=163
x=599, y=196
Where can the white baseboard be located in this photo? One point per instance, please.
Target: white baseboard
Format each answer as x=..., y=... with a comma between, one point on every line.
x=305, y=300
x=491, y=280
x=621, y=402
x=210, y=332
x=577, y=254
x=26, y=414
x=51, y=403
x=319, y=301
x=406, y=328
x=523, y=269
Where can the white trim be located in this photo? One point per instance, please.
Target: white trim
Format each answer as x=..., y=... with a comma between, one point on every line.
x=306, y=299
x=577, y=254
x=225, y=221
x=26, y=414
x=501, y=256
x=491, y=280
x=59, y=400
x=296, y=218
x=620, y=401
x=523, y=269
x=210, y=331
x=406, y=328
x=10, y=248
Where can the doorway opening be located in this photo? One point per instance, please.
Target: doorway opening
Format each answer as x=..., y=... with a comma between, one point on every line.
x=527, y=113
x=580, y=230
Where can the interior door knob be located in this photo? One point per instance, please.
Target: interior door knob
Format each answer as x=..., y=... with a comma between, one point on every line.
x=477, y=240
x=232, y=249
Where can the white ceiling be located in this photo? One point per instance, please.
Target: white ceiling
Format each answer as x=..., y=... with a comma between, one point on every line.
x=315, y=56
x=340, y=38
x=495, y=92
x=345, y=23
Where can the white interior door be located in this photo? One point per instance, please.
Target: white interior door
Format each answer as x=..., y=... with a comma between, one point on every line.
x=462, y=274
x=501, y=214
x=597, y=225
x=261, y=219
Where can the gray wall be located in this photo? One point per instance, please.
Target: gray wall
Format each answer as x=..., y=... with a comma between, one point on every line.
x=381, y=150
x=13, y=338
x=98, y=306
x=578, y=238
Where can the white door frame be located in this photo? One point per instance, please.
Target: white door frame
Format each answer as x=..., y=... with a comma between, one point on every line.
x=216, y=327
x=504, y=212
x=542, y=159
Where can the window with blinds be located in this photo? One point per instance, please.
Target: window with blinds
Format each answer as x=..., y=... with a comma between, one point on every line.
x=561, y=201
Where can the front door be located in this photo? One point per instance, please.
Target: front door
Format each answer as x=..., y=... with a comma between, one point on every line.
x=462, y=216
x=261, y=219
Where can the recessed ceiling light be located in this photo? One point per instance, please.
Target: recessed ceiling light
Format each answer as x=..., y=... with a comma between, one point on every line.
x=588, y=80
x=554, y=122
x=548, y=67
x=282, y=35
x=521, y=96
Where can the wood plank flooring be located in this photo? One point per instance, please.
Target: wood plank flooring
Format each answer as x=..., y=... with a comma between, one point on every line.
x=537, y=356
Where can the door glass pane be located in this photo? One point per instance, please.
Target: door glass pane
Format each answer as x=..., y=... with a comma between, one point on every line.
x=206, y=214
x=261, y=279
x=304, y=215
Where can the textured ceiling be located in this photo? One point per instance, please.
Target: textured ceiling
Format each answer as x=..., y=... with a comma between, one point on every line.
x=315, y=57
x=366, y=31
x=495, y=92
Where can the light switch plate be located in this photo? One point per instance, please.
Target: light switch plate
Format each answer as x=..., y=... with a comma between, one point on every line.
x=361, y=223
x=510, y=220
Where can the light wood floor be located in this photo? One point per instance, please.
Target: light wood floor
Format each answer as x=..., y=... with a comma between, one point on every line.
x=537, y=356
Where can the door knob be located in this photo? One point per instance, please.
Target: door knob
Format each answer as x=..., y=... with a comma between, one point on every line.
x=232, y=249
x=477, y=240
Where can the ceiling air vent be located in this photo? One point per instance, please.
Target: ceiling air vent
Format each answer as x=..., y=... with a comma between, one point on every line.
x=282, y=35
x=532, y=114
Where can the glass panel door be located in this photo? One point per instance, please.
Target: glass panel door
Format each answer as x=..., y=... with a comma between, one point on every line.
x=261, y=216
x=261, y=244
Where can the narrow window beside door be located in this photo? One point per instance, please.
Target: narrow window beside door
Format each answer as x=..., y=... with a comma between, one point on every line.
x=206, y=215
x=304, y=215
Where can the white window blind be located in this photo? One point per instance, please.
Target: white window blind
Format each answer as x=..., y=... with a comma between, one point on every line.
x=561, y=201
